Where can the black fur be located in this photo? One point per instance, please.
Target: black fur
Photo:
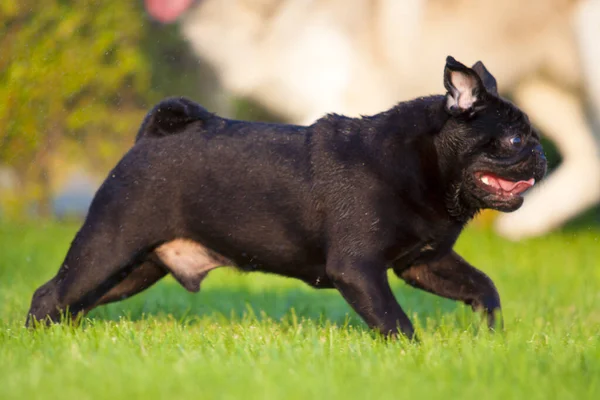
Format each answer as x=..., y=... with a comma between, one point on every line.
x=171, y=116
x=335, y=204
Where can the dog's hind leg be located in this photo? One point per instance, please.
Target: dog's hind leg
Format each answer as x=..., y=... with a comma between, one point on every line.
x=144, y=276
x=99, y=258
x=453, y=278
x=188, y=262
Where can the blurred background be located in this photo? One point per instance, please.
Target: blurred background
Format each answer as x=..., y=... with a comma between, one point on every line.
x=76, y=78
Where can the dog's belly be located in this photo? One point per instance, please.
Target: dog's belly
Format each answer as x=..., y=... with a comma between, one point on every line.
x=304, y=263
x=189, y=261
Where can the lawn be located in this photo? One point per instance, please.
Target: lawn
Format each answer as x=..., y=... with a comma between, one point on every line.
x=253, y=336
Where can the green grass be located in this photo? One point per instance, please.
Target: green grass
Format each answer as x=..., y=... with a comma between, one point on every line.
x=257, y=336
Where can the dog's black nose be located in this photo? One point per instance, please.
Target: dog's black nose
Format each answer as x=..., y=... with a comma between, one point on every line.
x=539, y=151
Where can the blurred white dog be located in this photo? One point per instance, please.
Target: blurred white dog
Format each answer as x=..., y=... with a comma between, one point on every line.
x=304, y=58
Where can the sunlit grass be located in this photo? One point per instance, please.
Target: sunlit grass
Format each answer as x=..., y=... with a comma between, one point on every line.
x=258, y=336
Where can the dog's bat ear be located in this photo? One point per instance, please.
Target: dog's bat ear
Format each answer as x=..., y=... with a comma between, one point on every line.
x=466, y=91
x=489, y=82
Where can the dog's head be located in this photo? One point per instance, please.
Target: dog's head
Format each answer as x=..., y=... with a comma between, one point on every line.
x=489, y=152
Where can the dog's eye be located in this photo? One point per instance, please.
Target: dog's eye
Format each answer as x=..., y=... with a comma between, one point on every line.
x=516, y=141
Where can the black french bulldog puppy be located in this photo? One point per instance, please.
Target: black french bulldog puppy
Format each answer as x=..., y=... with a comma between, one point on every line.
x=335, y=204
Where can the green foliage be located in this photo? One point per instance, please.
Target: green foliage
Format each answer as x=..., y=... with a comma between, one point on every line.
x=255, y=336
x=72, y=73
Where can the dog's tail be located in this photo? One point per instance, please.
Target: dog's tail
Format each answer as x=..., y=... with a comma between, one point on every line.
x=171, y=116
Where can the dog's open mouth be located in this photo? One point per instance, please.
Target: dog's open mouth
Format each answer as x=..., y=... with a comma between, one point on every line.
x=503, y=187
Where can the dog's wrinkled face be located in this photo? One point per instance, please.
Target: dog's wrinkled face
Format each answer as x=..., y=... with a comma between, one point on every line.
x=496, y=153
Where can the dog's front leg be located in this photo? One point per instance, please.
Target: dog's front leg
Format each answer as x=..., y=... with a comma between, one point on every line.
x=365, y=287
x=453, y=278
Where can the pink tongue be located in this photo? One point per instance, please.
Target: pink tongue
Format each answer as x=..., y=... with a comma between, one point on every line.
x=515, y=187
x=167, y=10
